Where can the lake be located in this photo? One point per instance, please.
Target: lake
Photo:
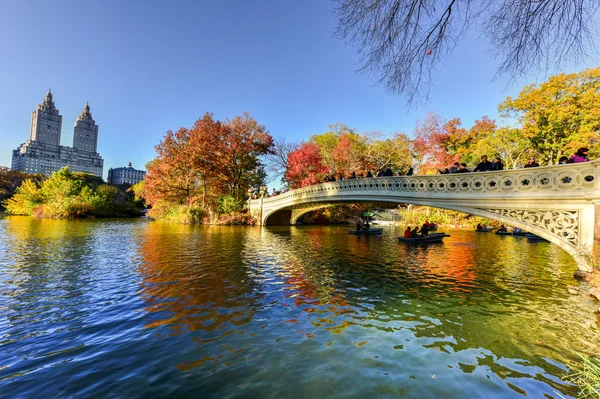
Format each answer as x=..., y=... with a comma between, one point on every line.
x=135, y=308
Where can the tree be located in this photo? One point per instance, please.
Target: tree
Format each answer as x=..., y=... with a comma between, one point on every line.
x=205, y=168
x=402, y=41
x=430, y=144
x=559, y=115
x=348, y=154
x=305, y=166
x=508, y=144
x=462, y=143
x=394, y=153
x=328, y=141
x=237, y=154
x=10, y=180
x=277, y=159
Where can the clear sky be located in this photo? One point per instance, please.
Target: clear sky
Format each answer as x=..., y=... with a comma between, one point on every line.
x=149, y=66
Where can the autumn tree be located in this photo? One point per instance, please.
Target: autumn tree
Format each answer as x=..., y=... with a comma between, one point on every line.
x=462, y=143
x=391, y=152
x=403, y=41
x=237, y=154
x=328, y=141
x=559, y=115
x=430, y=144
x=196, y=168
x=508, y=144
x=305, y=166
x=10, y=180
x=348, y=155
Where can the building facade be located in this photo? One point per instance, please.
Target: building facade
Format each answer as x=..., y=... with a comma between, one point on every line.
x=42, y=153
x=127, y=175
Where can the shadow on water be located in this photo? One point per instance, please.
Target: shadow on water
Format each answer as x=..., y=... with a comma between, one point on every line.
x=136, y=308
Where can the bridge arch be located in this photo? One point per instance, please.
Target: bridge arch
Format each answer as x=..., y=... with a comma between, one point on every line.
x=559, y=203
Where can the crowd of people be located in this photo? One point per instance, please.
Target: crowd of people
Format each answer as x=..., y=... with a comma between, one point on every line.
x=496, y=164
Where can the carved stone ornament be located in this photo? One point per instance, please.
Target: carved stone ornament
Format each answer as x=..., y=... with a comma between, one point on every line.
x=563, y=224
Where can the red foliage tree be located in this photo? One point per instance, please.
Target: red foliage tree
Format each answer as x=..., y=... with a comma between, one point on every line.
x=305, y=166
x=431, y=138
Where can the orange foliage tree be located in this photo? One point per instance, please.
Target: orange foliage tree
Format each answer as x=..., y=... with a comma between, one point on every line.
x=196, y=166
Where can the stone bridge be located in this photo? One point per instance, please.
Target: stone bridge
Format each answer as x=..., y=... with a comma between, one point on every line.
x=560, y=203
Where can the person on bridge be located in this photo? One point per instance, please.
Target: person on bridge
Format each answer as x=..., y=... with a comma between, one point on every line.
x=531, y=163
x=454, y=168
x=407, y=232
x=388, y=172
x=369, y=174
x=484, y=165
x=410, y=172
x=352, y=176
x=462, y=168
x=497, y=164
x=580, y=156
x=563, y=160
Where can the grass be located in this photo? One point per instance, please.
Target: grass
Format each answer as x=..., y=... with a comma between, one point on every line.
x=587, y=376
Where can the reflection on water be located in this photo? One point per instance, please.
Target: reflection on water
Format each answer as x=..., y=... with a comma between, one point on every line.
x=131, y=308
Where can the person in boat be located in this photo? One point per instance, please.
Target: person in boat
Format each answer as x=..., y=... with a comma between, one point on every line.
x=502, y=229
x=479, y=227
x=366, y=226
x=407, y=232
x=359, y=225
x=424, y=229
x=414, y=233
x=516, y=230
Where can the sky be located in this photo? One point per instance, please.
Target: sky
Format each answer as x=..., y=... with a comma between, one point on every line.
x=149, y=66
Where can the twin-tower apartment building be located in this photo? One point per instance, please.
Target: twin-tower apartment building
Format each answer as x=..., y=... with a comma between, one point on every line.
x=42, y=153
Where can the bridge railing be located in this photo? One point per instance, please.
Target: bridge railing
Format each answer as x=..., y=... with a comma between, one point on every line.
x=570, y=179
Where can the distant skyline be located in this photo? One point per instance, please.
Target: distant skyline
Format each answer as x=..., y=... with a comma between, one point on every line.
x=148, y=66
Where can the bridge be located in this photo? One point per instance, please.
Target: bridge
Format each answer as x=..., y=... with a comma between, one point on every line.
x=560, y=203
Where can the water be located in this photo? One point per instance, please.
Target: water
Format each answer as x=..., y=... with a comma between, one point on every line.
x=133, y=308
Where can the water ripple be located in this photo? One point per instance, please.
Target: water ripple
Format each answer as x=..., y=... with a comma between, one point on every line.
x=114, y=308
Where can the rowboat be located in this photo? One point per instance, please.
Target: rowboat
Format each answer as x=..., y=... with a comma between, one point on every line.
x=534, y=238
x=428, y=239
x=368, y=232
x=511, y=233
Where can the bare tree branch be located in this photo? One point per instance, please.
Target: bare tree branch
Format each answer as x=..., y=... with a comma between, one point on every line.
x=402, y=41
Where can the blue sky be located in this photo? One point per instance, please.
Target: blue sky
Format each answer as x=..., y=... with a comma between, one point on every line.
x=149, y=66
